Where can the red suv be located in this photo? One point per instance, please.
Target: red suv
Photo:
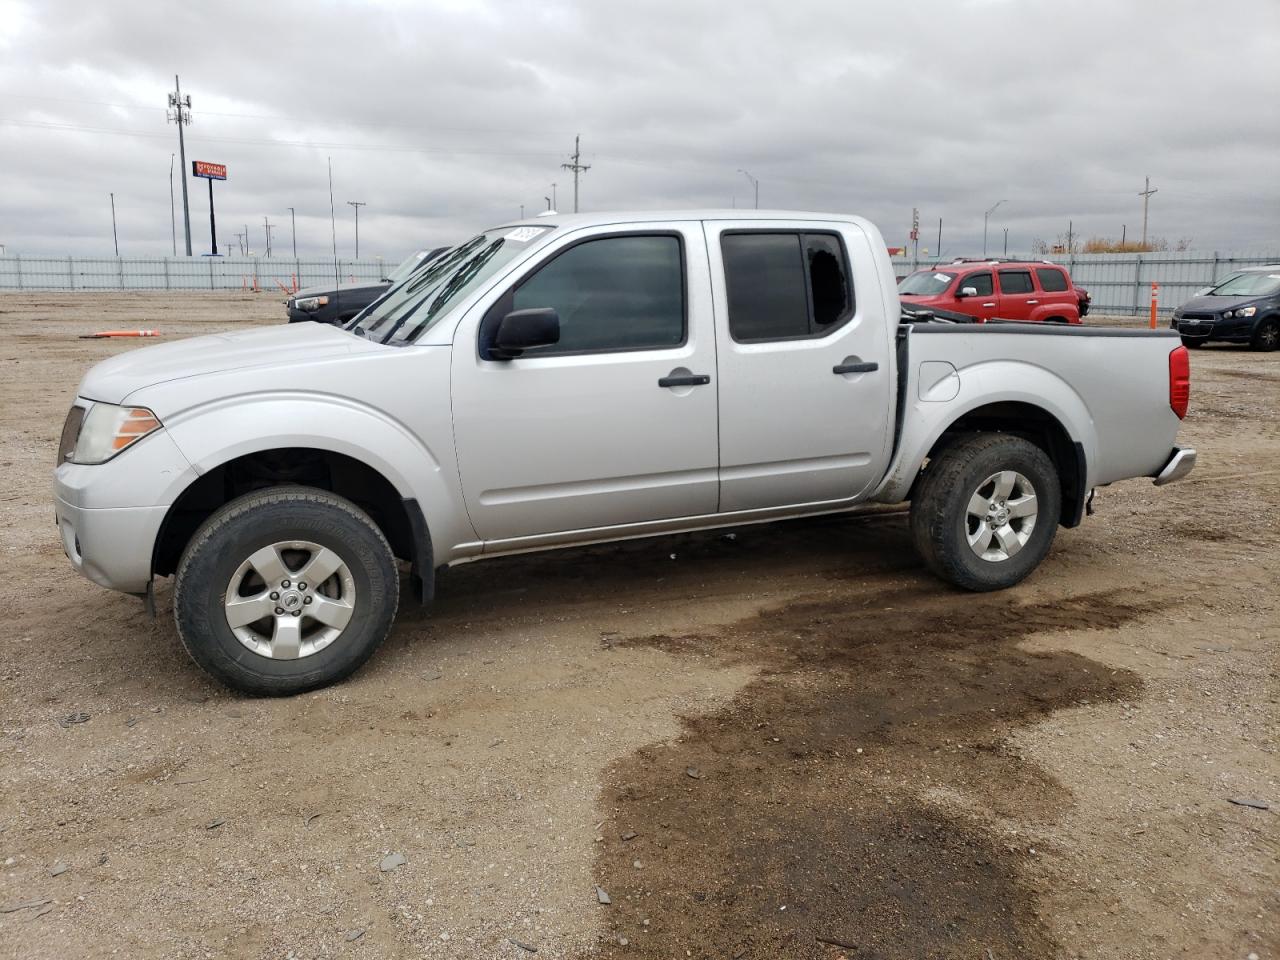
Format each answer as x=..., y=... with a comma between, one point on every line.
x=1003, y=289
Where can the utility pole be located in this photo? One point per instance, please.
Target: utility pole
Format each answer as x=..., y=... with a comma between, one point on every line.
x=755, y=185
x=180, y=113
x=114, y=238
x=1123, y=230
x=1006, y=243
x=985, y=217
x=357, y=204
x=266, y=226
x=1145, y=194
x=577, y=167
x=228, y=249
x=1071, y=236
x=173, y=216
x=915, y=234
x=938, y=249
x=555, y=201
x=240, y=240
x=548, y=199
x=522, y=211
x=293, y=232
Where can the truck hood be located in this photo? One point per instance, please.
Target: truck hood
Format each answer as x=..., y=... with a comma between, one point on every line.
x=113, y=380
x=328, y=290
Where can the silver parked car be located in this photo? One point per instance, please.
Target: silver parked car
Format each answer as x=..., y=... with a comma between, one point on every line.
x=578, y=379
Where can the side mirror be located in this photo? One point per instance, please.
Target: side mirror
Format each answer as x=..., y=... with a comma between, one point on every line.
x=967, y=292
x=523, y=330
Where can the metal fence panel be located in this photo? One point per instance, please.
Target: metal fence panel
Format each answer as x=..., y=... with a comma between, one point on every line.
x=1121, y=282
x=1118, y=282
x=181, y=273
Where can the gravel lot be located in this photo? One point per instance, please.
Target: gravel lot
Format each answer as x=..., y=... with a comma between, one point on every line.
x=791, y=742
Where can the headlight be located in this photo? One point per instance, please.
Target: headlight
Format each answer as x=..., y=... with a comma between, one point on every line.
x=1241, y=312
x=108, y=429
x=311, y=303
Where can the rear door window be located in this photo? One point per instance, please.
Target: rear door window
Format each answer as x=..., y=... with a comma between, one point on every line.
x=1051, y=280
x=785, y=285
x=1015, y=281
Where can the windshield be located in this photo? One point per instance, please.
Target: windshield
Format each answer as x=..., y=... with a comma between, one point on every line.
x=1256, y=284
x=926, y=283
x=411, y=307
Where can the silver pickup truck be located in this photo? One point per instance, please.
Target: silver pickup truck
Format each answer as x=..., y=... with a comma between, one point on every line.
x=577, y=379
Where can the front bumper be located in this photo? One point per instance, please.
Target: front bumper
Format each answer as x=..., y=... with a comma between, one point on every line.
x=1181, y=462
x=110, y=546
x=110, y=514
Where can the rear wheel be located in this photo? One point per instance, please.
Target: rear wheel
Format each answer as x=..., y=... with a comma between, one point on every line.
x=986, y=511
x=285, y=590
x=1266, y=336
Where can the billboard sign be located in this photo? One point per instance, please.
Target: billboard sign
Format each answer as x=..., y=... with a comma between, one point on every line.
x=210, y=171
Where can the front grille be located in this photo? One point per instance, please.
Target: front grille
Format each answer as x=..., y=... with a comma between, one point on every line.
x=1197, y=316
x=70, y=434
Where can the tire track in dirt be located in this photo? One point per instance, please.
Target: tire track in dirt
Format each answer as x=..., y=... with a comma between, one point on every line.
x=858, y=799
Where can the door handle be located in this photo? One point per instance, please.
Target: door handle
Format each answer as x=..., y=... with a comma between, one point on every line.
x=1032, y=301
x=988, y=304
x=688, y=380
x=867, y=367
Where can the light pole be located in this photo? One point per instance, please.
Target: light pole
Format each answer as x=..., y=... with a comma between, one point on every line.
x=114, y=239
x=985, y=217
x=357, y=204
x=755, y=185
x=293, y=232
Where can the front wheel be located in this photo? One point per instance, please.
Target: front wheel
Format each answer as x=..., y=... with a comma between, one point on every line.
x=1267, y=335
x=986, y=511
x=1192, y=343
x=285, y=590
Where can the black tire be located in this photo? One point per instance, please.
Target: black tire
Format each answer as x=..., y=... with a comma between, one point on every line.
x=940, y=522
x=1266, y=335
x=1192, y=343
x=256, y=520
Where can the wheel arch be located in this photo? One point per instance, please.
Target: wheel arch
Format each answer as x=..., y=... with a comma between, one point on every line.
x=1038, y=426
x=399, y=517
x=1041, y=407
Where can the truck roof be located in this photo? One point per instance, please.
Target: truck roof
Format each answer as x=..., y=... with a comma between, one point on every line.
x=603, y=218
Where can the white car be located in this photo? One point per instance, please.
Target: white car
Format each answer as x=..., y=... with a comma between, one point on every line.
x=578, y=379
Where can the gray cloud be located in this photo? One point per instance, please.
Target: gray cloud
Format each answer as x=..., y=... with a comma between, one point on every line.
x=446, y=117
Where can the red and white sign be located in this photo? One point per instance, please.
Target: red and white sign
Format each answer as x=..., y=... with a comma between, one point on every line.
x=211, y=171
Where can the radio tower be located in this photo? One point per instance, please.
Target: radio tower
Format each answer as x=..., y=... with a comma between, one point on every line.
x=180, y=113
x=577, y=167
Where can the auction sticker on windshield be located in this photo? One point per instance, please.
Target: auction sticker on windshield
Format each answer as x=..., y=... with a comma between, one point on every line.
x=525, y=234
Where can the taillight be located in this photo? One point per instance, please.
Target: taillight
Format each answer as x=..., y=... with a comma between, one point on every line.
x=1179, y=380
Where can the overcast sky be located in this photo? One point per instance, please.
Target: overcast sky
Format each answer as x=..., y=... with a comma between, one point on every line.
x=445, y=117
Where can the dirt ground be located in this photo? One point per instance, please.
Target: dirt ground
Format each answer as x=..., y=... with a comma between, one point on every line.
x=788, y=742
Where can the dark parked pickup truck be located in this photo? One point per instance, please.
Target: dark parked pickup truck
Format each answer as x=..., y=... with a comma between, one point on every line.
x=338, y=304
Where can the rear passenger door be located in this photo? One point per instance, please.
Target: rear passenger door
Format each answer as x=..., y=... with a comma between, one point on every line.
x=805, y=406
x=1056, y=293
x=1018, y=295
